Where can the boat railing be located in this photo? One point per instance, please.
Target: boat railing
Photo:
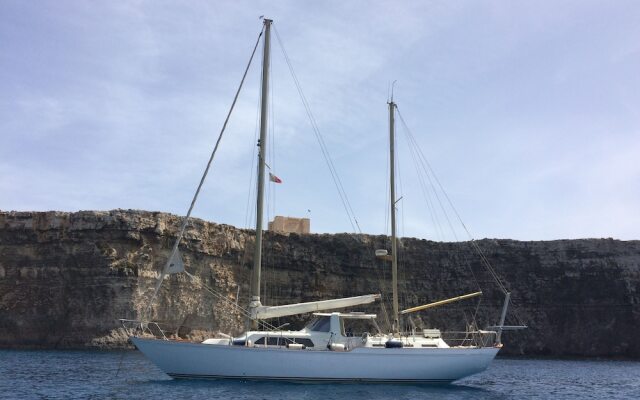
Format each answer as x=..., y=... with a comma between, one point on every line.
x=479, y=338
x=143, y=328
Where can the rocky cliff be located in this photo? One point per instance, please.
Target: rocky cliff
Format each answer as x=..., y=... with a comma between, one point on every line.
x=66, y=279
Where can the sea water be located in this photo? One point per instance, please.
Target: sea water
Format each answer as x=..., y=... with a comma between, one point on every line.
x=128, y=375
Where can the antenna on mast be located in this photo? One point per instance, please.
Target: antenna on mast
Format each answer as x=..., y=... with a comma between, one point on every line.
x=392, y=86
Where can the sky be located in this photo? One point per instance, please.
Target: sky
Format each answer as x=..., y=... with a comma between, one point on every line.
x=528, y=112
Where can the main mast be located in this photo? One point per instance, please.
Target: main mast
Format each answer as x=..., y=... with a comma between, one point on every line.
x=394, y=240
x=262, y=145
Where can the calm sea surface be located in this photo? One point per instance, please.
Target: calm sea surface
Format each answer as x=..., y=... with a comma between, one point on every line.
x=128, y=375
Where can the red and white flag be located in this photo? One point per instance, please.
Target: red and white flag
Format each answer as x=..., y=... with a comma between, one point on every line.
x=274, y=178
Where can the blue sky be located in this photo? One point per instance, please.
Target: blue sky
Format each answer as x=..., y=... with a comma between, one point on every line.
x=528, y=111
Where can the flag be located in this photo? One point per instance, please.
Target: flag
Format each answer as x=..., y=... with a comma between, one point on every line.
x=274, y=178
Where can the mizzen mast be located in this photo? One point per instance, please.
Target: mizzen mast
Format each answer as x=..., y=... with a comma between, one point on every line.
x=262, y=145
x=394, y=240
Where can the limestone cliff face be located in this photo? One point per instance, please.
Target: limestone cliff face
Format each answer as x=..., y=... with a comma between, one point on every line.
x=66, y=279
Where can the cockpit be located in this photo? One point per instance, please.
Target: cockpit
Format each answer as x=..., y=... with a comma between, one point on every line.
x=343, y=324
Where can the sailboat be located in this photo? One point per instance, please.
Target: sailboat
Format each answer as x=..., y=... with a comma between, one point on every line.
x=325, y=349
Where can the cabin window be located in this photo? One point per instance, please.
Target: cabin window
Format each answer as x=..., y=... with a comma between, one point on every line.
x=322, y=324
x=271, y=341
x=282, y=341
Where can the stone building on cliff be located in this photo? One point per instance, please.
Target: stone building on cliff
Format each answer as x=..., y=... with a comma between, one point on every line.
x=290, y=225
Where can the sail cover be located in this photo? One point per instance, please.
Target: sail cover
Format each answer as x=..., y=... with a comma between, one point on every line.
x=265, y=312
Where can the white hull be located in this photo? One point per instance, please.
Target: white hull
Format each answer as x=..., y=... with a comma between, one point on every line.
x=412, y=365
